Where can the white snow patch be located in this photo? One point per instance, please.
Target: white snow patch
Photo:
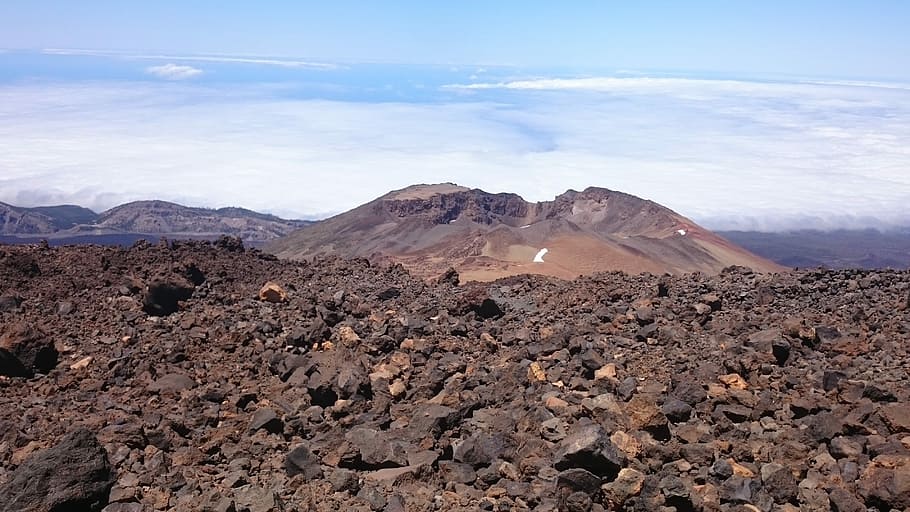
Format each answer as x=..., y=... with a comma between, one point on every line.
x=540, y=255
x=682, y=232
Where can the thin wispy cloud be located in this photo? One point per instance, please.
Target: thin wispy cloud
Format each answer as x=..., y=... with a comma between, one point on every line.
x=673, y=85
x=174, y=71
x=228, y=59
x=729, y=154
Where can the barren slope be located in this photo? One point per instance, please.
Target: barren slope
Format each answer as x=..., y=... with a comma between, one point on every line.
x=365, y=389
x=429, y=228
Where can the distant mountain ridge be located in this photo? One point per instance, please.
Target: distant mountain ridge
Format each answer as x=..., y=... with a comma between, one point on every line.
x=16, y=220
x=484, y=236
x=144, y=217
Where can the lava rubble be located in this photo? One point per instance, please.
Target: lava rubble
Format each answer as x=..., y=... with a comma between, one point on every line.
x=206, y=376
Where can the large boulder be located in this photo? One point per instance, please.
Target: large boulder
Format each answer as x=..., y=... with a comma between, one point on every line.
x=25, y=350
x=885, y=483
x=163, y=295
x=73, y=476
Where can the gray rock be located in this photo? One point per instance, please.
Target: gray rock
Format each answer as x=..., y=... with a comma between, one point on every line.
x=482, y=449
x=844, y=447
x=268, y=420
x=577, y=502
x=690, y=392
x=171, y=384
x=125, y=507
x=73, y=475
x=395, y=503
x=843, y=501
x=433, y=419
x=588, y=447
x=9, y=303
x=378, y=449
x=578, y=479
x=373, y=497
x=814, y=500
x=344, y=480
x=781, y=485
x=736, y=489
x=457, y=472
x=301, y=461
x=735, y=413
x=721, y=469
x=255, y=498
x=676, y=410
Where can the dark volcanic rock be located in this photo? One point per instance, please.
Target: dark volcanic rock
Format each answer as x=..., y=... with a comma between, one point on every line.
x=172, y=383
x=163, y=295
x=74, y=475
x=588, y=447
x=9, y=303
x=579, y=479
x=339, y=399
x=482, y=449
x=676, y=410
x=782, y=485
x=25, y=350
x=886, y=482
x=268, y=420
x=450, y=277
x=301, y=461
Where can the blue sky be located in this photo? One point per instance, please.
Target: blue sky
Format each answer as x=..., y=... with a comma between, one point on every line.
x=833, y=38
x=764, y=115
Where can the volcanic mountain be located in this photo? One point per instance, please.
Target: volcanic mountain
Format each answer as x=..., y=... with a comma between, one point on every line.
x=42, y=219
x=170, y=218
x=429, y=228
x=74, y=224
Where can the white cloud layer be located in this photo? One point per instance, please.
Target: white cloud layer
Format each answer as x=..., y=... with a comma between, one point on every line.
x=174, y=71
x=728, y=154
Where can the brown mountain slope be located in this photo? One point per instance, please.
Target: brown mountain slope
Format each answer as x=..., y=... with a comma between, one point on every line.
x=17, y=220
x=429, y=228
x=159, y=218
x=162, y=217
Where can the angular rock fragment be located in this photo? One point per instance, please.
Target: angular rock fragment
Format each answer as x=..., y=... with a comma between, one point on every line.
x=578, y=479
x=588, y=447
x=164, y=294
x=301, y=461
x=272, y=292
x=482, y=449
x=74, y=475
x=268, y=420
x=9, y=303
x=171, y=384
x=25, y=350
x=628, y=483
x=885, y=483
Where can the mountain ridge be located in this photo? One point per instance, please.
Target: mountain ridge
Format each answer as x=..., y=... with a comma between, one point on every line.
x=152, y=217
x=429, y=228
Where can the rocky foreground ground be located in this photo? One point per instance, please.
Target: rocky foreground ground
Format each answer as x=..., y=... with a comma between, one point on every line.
x=169, y=377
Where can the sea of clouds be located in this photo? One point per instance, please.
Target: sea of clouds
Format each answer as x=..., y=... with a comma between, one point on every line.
x=730, y=154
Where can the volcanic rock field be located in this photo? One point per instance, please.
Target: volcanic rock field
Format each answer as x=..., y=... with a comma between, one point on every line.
x=197, y=376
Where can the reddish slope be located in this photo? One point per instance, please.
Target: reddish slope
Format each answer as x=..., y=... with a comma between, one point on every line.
x=429, y=228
